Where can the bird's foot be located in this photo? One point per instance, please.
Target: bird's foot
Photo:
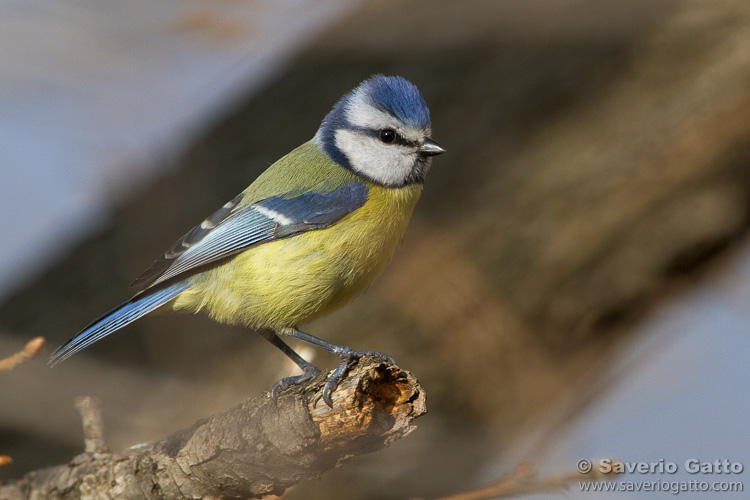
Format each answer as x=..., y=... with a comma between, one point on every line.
x=347, y=355
x=285, y=383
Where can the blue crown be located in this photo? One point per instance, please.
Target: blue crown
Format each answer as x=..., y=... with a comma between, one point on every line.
x=398, y=97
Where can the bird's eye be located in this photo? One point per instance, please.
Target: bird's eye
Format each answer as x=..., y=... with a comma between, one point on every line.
x=387, y=135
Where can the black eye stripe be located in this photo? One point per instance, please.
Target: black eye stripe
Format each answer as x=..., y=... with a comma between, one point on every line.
x=399, y=139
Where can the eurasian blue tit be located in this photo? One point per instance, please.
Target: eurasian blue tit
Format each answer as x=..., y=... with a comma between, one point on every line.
x=311, y=232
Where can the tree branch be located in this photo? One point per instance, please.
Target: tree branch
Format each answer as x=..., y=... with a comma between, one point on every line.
x=30, y=350
x=257, y=448
x=524, y=481
x=93, y=425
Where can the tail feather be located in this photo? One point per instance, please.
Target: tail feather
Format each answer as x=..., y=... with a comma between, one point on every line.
x=115, y=319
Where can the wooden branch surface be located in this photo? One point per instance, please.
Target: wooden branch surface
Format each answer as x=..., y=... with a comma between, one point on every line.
x=254, y=449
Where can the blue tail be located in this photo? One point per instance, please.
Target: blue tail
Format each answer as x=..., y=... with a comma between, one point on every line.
x=122, y=315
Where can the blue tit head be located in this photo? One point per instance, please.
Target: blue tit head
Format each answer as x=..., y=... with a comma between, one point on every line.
x=381, y=131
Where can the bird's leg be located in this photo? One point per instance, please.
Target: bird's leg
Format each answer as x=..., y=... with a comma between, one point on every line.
x=309, y=369
x=345, y=353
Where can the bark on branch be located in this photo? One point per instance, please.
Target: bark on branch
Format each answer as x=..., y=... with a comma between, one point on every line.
x=254, y=449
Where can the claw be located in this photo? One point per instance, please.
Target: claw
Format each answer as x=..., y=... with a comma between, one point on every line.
x=347, y=355
x=287, y=382
x=333, y=381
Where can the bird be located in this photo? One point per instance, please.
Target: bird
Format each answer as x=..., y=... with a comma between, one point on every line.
x=311, y=232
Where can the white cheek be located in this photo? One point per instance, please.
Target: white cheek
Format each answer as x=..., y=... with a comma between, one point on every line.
x=383, y=163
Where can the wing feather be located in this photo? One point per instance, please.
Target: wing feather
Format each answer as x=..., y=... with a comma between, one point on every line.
x=234, y=228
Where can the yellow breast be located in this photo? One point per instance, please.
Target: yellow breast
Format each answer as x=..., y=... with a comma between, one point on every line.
x=287, y=282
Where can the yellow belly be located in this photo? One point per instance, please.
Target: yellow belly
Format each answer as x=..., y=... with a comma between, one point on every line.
x=287, y=282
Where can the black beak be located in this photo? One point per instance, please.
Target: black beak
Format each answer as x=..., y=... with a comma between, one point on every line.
x=430, y=148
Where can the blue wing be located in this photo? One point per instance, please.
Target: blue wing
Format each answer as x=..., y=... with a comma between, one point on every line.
x=228, y=231
x=235, y=227
x=122, y=315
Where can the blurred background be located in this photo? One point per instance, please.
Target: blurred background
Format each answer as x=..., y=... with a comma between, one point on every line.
x=575, y=281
